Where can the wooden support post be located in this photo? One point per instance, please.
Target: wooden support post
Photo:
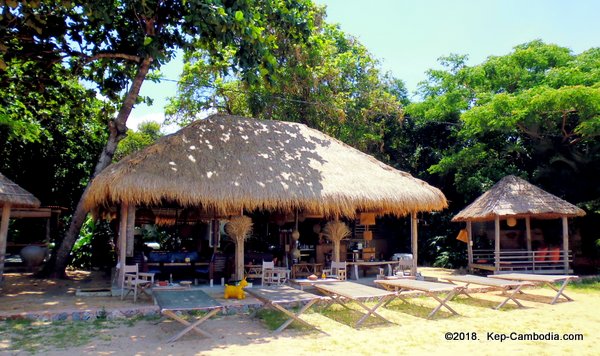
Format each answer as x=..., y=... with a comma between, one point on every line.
x=470, y=245
x=565, y=229
x=130, y=230
x=414, y=241
x=239, y=258
x=122, y=239
x=528, y=232
x=497, y=244
x=3, y=237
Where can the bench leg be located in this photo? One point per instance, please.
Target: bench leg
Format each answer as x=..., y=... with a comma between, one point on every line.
x=293, y=316
x=442, y=303
x=511, y=296
x=372, y=311
x=559, y=291
x=190, y=326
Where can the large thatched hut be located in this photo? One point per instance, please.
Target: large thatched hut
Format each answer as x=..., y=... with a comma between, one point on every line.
x=225, y=165
x=11, y=195
x=510, y=201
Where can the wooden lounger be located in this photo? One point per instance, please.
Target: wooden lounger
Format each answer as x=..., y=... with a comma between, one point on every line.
x=505, y=286
x=546, y=279
x=279, y=297
x=429, y=288
x=172, y=301
x=342, y=292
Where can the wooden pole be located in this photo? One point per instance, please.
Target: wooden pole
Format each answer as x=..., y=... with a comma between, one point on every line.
x=470, y=245
x=528, y=232
x=3, y=237
x=122, y=239
x=414, y=242
x=497, y=244
x=130, y=230
x=239, y=258
x=565, y=228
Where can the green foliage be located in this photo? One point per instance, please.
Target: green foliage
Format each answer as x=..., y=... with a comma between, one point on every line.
x=94, y=247
x=331, y=83
x=146, y=134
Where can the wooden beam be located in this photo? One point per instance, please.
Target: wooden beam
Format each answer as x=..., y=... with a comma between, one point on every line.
x=414, y=242
x=528, y=232
x=470, y=245
x=497, y=243
x=122, y=239
x=130, y=230
x=3, y=236
x=565, y=230
x=31, y=213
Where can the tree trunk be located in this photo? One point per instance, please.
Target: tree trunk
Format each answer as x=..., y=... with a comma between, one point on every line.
x=118, y=130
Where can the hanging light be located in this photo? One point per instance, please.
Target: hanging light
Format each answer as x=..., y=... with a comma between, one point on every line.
x=512, y=222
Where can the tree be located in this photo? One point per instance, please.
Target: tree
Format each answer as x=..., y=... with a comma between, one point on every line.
x=534, y=113
x=52, y=131
x=331, y=83
x=116, y=44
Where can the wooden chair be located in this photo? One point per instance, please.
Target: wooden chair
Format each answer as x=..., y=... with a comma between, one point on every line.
x=337, y=270
x=268, y=273
x=133, y=280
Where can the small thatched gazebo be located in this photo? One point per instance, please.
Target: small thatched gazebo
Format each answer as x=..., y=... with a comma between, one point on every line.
x=11, y=195
x=225, y=165
x=510, y=199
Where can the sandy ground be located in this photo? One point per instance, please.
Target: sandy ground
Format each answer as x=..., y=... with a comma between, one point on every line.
x=408, y=332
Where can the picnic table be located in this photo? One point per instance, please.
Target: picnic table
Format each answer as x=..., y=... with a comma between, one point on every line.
x=303, y=282
x=429, y=288
x=504, y=285
x=342, y=292
x=282, y=297
x=175, y=300
x=546, y=279
x=390, y=265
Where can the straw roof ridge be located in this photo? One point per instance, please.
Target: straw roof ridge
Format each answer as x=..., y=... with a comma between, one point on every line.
x=515, y=197
x=11, y=193
x=227, y=163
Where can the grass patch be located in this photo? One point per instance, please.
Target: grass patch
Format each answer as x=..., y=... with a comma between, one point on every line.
x=273, y=319
x=584, y=285
x=38, y=336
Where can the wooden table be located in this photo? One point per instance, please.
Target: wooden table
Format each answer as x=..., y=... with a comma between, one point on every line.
x=253, y=271
x=306, y=269
x=390, y=265
x=283, y=297
x=504, y=285
x=172, y=301
x=429, y=288
x=343, y=292
x=303, y=282
x=546, y=279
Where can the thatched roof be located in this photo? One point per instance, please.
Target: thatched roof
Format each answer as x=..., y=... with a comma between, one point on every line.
x=13, y=194
x=515, y=197
x=227, y=163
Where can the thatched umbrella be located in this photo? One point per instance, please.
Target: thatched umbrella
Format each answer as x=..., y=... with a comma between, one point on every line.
x=336, y=231
x=238, y=229
x=11, y=195
x=228, y=164
x=514, y=198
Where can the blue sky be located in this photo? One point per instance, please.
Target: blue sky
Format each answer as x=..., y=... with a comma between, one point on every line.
x=409, y=36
